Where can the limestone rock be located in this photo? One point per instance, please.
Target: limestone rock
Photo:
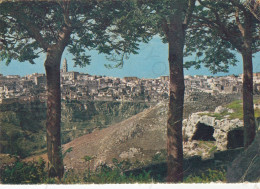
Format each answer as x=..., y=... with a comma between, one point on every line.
x=130, y=153
x=246, y=167
x=231, y=111
x=220, y=109
x=143, y=135
x=221, y=128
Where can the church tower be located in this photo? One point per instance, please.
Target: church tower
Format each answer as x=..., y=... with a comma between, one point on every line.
x=65, y=66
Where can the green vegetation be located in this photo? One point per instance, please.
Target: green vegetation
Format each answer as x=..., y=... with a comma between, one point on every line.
x=120, y=172
x=213, y=149
x=159, y=157
x=105, y=174
x=218, y=116
x=19, y=135
x=23, y=130
x=210, y=145
x=207, y=177
x=35, y=172
x=23, y=173
x=81, y=118
x=237, y=106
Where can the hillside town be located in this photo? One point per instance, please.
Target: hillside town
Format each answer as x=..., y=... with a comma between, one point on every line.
x=82, y=86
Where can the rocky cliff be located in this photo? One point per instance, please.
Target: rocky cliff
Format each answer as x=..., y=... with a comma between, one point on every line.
x=143, y=136
x=246, y=167
x=23, y=125
x=80, y=118
x=226, y=133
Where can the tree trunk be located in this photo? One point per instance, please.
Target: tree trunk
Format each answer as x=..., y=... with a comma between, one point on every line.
x=176, y=100
x=248, y=104
x=54, y=151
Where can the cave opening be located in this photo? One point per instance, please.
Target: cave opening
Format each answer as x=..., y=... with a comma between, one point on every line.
x=203, y=132
x=235, y=139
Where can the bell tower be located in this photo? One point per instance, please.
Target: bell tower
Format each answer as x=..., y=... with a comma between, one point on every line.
x=65, y=66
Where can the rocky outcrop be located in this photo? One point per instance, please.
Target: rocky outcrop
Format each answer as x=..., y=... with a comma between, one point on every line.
x=246, y=167
x=220, y=109
x=205, y=102
x=144, y=135
x=201, y=122
x=136, y=138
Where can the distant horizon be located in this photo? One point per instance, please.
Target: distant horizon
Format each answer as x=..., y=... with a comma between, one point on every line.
x=151, y=62
x=126, y=75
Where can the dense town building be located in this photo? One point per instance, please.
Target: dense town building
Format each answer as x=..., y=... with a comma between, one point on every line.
x=81, y=86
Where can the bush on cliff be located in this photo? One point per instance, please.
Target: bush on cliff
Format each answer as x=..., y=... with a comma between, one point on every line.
x=23, y=172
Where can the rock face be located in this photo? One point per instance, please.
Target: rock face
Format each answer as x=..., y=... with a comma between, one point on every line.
x=220, y=109
x=200, y=126
x=246, y=167
x=23, y=124
x=144, y=135
x=80, y=118
x=136, y=138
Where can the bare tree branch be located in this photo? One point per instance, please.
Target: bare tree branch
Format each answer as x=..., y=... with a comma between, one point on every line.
x=191, y=5
x=238, y=5
x=220, y=26
x=165, y=27
x=35, y=32
x=240, y=26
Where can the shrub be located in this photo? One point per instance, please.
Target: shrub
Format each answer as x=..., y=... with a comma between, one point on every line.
x=105, y=174
x=207, y=176
x=159, y=157
x=23, y=172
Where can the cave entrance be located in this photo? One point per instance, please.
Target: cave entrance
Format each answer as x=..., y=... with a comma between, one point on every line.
x=203, y=132
x=235, y=138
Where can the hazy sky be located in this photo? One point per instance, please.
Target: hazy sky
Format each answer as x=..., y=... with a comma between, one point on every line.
x=151, y=62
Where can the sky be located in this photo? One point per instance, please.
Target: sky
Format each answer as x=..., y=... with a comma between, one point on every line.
x=151, y=62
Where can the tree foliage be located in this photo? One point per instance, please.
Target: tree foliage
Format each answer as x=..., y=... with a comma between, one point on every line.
x=219, y=29
x=214, y=35
x=31, y=28
x=105, y=26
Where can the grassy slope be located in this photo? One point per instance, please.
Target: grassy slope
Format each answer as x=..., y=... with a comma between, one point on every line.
x=237, y=106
